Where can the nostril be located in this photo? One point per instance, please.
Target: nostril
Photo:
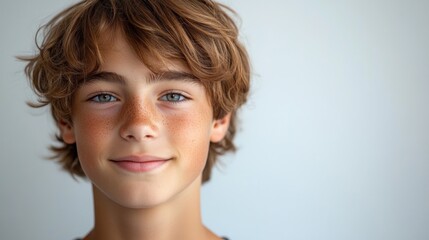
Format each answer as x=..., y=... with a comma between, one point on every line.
x=129, y=137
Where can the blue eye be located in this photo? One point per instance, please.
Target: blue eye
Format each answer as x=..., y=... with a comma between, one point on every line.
x=103, y=98
x=173, y=97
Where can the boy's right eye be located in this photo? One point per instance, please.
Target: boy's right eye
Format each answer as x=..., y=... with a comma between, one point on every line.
x=104, y=98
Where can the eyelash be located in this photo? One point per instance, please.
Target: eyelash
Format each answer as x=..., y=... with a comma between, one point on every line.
x=96, y=98
x=177, y=94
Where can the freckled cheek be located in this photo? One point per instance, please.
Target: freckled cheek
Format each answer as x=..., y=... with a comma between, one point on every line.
x=92, y=135
x=189, y=134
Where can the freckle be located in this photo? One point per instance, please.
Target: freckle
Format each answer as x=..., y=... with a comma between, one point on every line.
x=136, y=111
x=99, y=127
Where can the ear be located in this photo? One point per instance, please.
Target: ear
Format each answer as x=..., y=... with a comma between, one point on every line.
x=220, y=128
x=66, y=130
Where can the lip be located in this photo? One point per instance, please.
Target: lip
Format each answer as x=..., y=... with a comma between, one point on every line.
x=144, y=163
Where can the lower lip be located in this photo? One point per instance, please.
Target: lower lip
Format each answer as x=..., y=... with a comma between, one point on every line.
x=139, y=166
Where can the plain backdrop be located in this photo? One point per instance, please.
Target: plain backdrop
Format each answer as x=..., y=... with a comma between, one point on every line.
x=334, y=141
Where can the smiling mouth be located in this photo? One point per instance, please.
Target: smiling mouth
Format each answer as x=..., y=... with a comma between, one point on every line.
x=140, y=166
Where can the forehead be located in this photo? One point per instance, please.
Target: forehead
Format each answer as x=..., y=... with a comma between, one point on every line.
x=114, y=48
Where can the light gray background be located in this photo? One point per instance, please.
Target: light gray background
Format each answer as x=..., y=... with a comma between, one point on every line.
x=334, y=142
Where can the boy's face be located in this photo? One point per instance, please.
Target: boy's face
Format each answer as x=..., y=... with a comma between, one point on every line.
x=141, y=140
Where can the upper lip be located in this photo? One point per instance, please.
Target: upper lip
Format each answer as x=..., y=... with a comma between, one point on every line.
x=139, y=158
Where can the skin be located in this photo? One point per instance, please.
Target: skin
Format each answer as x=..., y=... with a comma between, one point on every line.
x=143, y=115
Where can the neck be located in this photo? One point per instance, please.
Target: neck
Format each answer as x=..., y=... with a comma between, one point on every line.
x=178, y=218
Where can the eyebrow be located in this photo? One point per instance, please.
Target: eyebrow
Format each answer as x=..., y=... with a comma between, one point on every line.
x=160, y=76
x=172, y=75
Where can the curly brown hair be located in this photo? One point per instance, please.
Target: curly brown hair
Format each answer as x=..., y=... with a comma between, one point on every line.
x=197, y=32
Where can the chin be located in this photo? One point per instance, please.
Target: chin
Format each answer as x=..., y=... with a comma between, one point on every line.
x=137, y=199
x=145, y=194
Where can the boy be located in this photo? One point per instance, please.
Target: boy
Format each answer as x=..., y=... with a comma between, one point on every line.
x=144, y=93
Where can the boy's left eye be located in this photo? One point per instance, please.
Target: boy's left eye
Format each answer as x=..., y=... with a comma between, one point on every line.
x=173, y=97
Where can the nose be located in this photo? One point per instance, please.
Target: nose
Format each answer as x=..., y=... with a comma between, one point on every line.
x=139, y=121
